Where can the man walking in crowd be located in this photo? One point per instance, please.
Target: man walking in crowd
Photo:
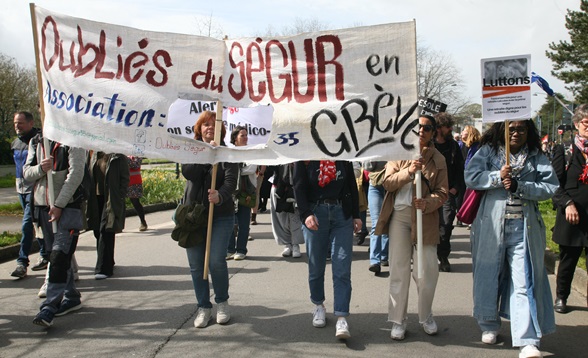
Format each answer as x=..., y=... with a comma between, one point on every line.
x=25, y=130
x=445, y=144
x=66, y=165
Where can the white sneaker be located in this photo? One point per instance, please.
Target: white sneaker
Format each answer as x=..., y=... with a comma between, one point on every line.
x=530, y=351
x=296, y=251
x=239, y=256
x=230, y=256
x=489, y=337
x=222, y=313
x=342, y=331
x=318, y=316
x=398, y=331
x=430, y=326
x=203, y=316
x=287, y=251
x=43, y=291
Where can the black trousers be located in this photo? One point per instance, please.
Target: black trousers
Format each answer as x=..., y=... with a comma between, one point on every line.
x=568, y=259
x=446, y=216
x=139, y=209
x=104, y=243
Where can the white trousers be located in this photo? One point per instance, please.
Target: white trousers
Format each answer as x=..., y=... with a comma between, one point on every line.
x=401, y=252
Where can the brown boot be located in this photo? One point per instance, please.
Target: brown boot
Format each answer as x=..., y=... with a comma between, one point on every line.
x=253, y=217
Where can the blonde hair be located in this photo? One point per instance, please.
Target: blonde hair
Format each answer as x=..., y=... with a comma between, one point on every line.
x=473, y=135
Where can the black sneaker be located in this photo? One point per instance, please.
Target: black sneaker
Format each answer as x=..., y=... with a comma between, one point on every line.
x=68, y=306
x=40, y=265
x=20, y=271
x=43, y=318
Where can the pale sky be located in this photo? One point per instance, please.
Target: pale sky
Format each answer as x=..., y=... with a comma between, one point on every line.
x=468, y=30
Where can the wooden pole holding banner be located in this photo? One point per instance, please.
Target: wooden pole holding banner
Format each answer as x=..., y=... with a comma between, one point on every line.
x=46, y=144
x=217, y=139
x=419, y=224
x=507, y=141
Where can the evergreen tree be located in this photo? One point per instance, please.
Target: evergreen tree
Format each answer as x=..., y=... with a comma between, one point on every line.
x=569, y=58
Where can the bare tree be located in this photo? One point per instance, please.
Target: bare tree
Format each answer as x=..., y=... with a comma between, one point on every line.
x=207, y=26
x=439, y=78
x=299, y=26
x=18, y=92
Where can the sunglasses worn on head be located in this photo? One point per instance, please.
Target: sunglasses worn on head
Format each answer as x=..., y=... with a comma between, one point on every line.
x=519, y=130
x=426, y=127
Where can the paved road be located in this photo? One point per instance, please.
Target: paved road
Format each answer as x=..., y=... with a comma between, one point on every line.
x=147, y=309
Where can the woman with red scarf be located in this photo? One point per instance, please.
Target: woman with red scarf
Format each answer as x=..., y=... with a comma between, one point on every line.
x=571, y=200
x=328, y=202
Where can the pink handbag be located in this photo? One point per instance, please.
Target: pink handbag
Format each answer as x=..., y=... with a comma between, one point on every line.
x=469, y=208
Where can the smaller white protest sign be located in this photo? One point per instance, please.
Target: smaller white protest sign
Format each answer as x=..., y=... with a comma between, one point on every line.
x=183, y=114
x=257, y=120
x=506, y=88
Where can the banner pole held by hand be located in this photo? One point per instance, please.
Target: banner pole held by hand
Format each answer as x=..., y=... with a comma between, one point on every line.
x=507, y=141
x=46, y=144
x=419, y=225
x=217, y=139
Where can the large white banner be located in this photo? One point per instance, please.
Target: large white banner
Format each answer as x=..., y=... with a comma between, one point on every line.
x=344, y=94
x=506, y=88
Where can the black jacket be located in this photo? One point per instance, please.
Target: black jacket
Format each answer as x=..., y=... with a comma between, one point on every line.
x=198, y=181
x=307, y=191
x=570, y=188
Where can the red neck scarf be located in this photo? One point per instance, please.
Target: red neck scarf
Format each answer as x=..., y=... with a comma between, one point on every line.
x=327, y=172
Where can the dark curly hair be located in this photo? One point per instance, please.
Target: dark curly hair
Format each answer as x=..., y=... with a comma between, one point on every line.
x=494, y=136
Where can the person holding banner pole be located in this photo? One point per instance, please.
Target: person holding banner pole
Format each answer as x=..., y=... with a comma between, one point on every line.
x=398, y=220
x=508, y=235
x=60, y=221
x=198, y=188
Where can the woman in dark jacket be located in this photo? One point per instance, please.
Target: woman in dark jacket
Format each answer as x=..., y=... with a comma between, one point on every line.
x=328, y=202
x=198, y=189
x=571, y=201
x=106, y=214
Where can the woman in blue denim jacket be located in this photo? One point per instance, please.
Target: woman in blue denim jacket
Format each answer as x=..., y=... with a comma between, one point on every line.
x=508, y=236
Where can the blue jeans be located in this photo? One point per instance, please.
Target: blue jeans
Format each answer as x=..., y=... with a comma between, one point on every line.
x=243, y=218
x=62, y=246
x=222, y=230
x=521, y=298
x=378, y=243
x=26, y=242
x=335, y=233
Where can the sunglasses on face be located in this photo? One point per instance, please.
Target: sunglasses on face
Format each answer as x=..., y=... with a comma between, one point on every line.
x=425, y=127
x=519, y=130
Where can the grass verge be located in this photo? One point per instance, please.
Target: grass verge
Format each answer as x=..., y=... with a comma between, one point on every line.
x=9, y=238
x=7, y=181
